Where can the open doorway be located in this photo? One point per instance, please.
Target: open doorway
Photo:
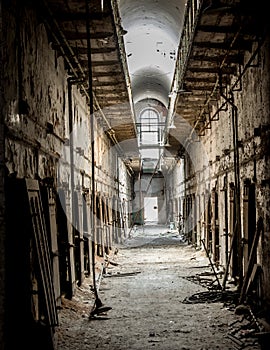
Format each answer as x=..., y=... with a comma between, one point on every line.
x=150, y=210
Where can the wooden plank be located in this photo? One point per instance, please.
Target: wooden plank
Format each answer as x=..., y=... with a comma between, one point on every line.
x=42, y=249
x=49, y=201
x=251, y=260
x=71, y=259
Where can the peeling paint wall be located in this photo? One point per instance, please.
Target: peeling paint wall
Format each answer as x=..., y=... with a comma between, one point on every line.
x=216, y=181
x=45, y=134
x=37, y=113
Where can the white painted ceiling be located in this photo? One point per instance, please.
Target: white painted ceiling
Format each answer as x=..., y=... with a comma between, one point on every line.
x=153, y=31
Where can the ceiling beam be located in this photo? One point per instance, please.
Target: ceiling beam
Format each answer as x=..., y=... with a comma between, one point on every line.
x=213, y=70
x=236, y=58
x=70, y=35
x=84, y=51
x=103, y=63
x=238, y=45
x=107, y=74
x=218, y=28
x=227, y=29
x=202, y=87
x=106, y=90
x=200, y=79
x=79, y=16
x=109, y=84
x=97, y=50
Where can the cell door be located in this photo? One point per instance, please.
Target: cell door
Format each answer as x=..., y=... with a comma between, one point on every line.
x=150, y=209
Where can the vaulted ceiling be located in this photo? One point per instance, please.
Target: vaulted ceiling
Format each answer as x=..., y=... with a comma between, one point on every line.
x=151, y=42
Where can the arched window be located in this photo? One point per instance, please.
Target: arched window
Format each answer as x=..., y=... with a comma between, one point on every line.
x=149, y=131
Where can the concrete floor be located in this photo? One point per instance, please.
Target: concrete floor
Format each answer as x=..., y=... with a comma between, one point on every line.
x=152, y=294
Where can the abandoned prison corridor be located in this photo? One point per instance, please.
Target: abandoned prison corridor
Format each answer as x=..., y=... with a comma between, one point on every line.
x=151, y=285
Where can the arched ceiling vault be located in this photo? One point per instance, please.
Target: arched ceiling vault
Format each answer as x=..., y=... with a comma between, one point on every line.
x=152, y=32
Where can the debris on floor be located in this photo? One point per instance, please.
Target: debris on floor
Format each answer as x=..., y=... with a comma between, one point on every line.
x=157, y=300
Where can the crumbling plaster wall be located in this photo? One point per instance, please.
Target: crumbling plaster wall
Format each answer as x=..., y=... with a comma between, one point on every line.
x=35, y=93
x=36, y=109
x=36, y=114
x=253, y=112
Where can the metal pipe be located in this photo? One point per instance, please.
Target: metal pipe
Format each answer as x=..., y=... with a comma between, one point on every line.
x=213, y=268
x=226, y=217
x=71, y=153
x=92, y=138
x=236, y=179
x=19, y=56
x=229, y=258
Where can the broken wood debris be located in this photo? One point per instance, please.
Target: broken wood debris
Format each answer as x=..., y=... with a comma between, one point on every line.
x=126, y=274
x=209, y=283
x=110, y=261
x=100, y=310
x=211, y=263
x=246, y=332
x=211, y=297
x=251, y=261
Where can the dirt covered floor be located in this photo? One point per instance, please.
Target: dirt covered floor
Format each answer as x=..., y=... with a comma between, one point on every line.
x=162, y=294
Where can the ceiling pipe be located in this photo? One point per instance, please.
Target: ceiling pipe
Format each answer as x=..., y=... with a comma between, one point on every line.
x=98, y=302
x=98, y=305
